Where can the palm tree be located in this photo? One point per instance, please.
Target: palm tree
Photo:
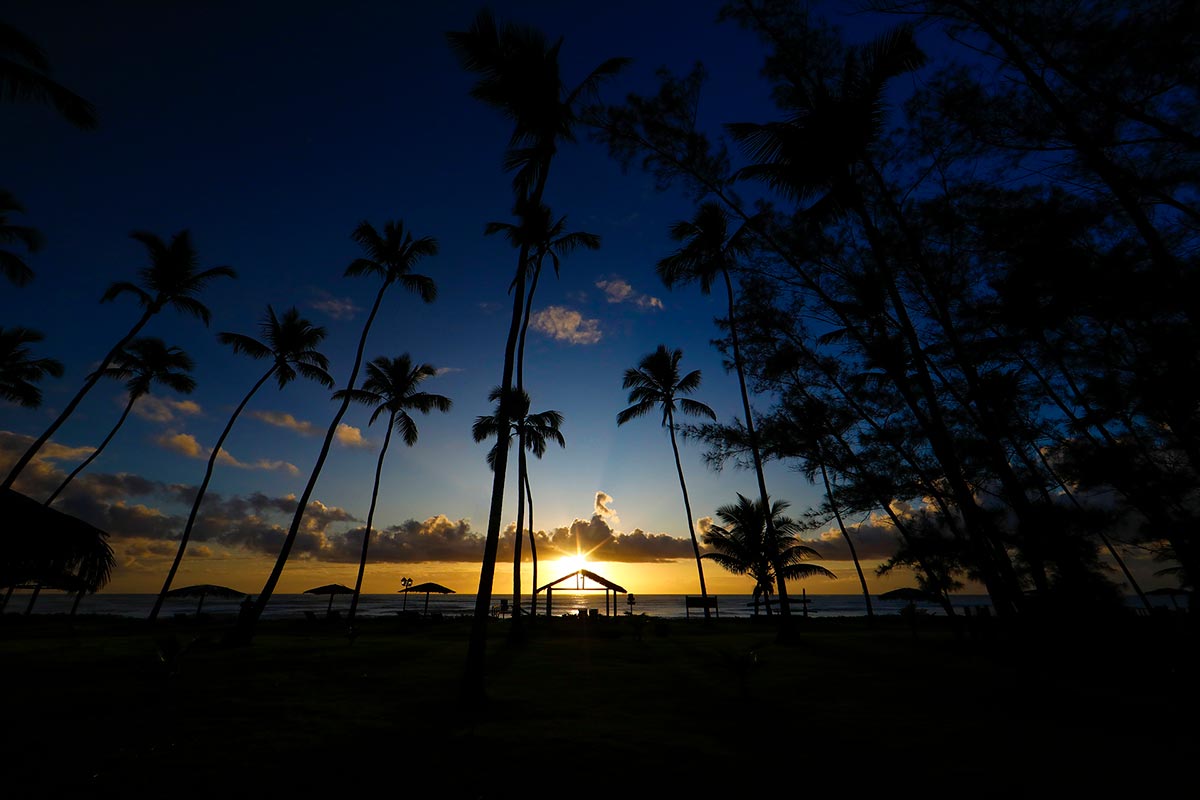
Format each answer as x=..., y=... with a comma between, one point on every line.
x=390, y=256
x=391, y=386
x=534, y=431
x=11, y=264
x=25, y=76
x=655, y=383
x=171, y=279
x=518, y=74
x=19, y=370
x=709, y=251
x=291, y=344
x=751, y=542
x=142, y=364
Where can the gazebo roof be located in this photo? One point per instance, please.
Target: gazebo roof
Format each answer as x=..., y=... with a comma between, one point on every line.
x=605, y=582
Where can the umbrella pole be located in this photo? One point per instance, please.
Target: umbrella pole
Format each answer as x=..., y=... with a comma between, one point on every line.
x=329, y=610
x=200, y=605
x=427, y=604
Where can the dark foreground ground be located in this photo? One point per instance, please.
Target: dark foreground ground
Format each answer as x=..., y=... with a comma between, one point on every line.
x=628, y=707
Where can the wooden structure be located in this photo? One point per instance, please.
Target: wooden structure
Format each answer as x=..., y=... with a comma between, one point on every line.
x=582, y=576
x=690, y=602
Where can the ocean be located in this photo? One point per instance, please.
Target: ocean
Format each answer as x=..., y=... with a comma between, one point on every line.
x=283, y=606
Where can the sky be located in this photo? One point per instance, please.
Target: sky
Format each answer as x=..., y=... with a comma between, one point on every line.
x=270, y=131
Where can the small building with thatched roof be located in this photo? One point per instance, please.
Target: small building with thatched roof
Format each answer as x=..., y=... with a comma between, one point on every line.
x=582, y=576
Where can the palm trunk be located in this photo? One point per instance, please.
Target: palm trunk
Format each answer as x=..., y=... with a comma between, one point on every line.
x=846, y=535
x=687, y=507
x=473, y=675
x=83, y=465
x=362, y=563
x=92, y=457
x=517, y=539
x=247, y=623
x=532, y=549
x=92, y=380
x=208, y=471
x=784, y=607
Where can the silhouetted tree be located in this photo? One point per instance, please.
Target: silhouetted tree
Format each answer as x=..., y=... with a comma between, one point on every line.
x=391, y=256
x=656, y=384
x=534, y=431
x=747, y=544
x=11, y=264
x=518, y=74
x=291, y=344
x=20, y=370
x=391, y=386
x=25, y=77
x=171, y=279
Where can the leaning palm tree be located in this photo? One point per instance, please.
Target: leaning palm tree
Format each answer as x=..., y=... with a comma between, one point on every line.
x=710, y=251
x=751, y=542
x=391, y=386
x=534, y=431
x=12, y=265
x=518, y=74
x=173, y=278
x=291, y=344
x=142, y=364
x=25, y=76
x=20, y=370
x=656, y=384
x=390, y=256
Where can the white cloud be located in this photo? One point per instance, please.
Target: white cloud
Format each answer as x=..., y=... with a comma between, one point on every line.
x=334, y=307
x=350, y=436
x=282, y=420
x=157, y=409
x=186, y=444
x=619, y=290
x=604, y=508
x=565, y=325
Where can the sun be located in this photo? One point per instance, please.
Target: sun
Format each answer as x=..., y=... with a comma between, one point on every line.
x=573, y=563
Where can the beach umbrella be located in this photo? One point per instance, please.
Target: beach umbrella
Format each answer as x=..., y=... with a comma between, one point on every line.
x=909, y=594
x=331, y=589
x=428, y=589
x=203, y=590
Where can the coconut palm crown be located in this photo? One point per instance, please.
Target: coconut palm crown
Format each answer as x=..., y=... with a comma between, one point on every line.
x=20, y=369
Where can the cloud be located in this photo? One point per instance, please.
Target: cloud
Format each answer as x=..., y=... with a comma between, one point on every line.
x=619, y=290
x=565, y=325
x=437, y=538
x=599, y=542
x=186, y=444
x=282, y=420
x=350, y=436
x=334, y=307
x=157, y=409
x=605, y=510
x=182, y=443
x=448, y=370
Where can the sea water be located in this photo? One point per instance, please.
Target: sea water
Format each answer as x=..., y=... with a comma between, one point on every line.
x=283, y=606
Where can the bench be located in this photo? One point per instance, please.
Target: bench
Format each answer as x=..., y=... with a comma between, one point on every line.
x=691, y=602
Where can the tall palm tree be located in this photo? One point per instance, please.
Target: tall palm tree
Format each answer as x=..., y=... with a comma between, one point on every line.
x=518, y=74
x=391, y=386
x=291, y=344
x=752, y=542
x=11, y=264
x=534, y=431
x=142, y=364
x=656, y=384
x=390, y=256
x=25, y=76
x=172, y=278
x=710, y=251
x=20, y=370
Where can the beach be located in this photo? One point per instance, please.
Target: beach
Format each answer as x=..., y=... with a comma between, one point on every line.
x=622, y=706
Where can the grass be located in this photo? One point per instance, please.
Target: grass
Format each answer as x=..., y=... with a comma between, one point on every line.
x=633, y=704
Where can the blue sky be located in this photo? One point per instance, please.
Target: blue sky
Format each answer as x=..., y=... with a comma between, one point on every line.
x=270, y=131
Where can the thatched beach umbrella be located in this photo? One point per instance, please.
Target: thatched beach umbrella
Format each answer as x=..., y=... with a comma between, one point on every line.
x=42, y=546
x=429, y=588
x=330, y=589
x=203, y=590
